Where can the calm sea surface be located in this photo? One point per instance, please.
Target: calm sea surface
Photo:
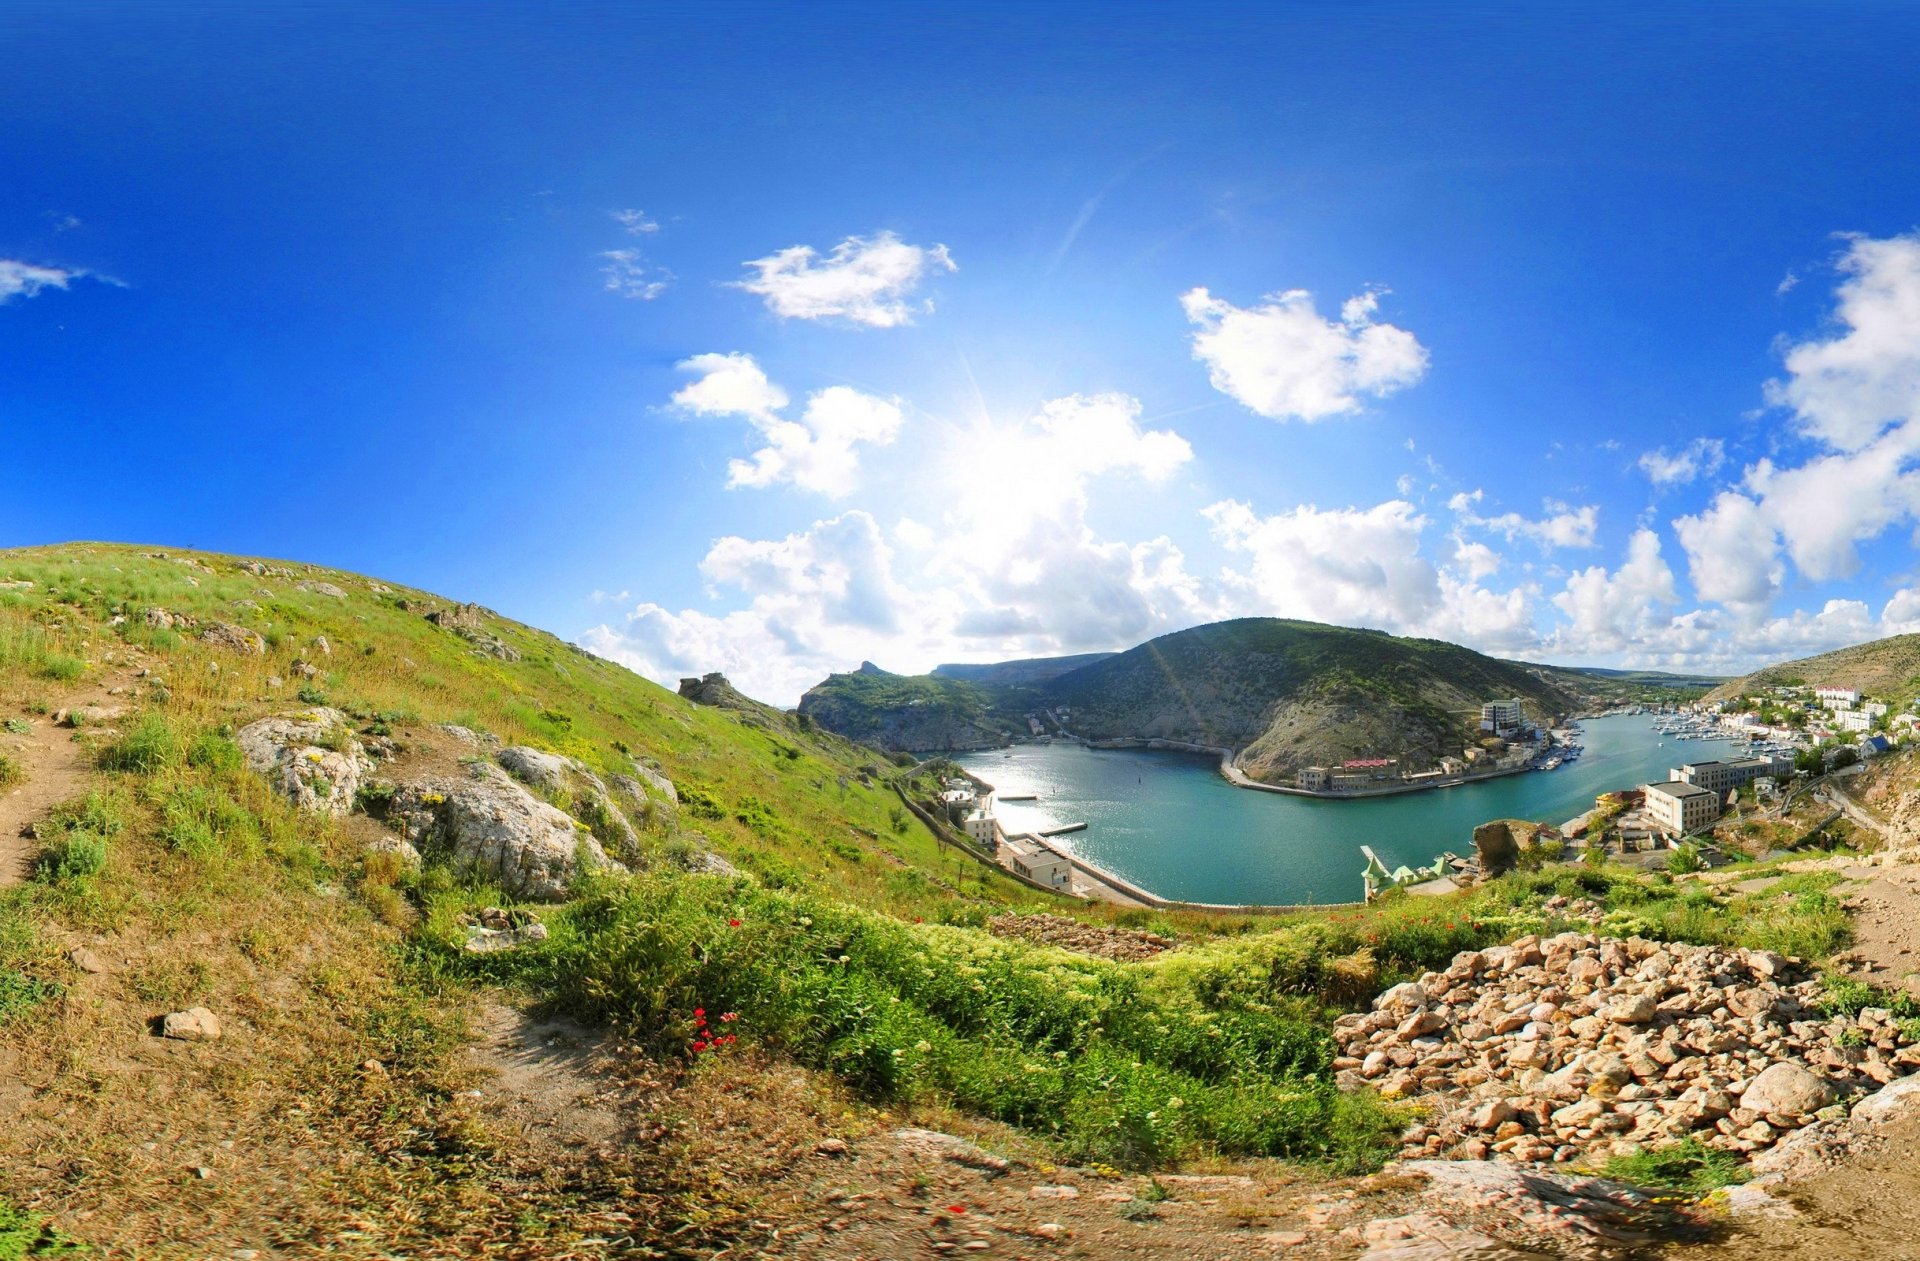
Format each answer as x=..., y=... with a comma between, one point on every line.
x=1168, y=822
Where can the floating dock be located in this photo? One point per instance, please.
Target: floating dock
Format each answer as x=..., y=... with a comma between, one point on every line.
x=1062, y=830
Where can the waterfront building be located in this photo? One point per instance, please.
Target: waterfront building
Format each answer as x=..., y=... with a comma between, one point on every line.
x=1677, y=807
x=1499, y=717
x=1718, y=777
x=1039, y=863
x=1315, y=779
x=1837, y=698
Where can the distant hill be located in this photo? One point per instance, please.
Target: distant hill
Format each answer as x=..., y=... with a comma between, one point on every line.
x=923, y=713
x=1887, y=668
x=1289, y=693
x=1600, y=679
x=1030, y=670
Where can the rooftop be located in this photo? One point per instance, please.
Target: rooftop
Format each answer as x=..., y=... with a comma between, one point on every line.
x=1679, y=790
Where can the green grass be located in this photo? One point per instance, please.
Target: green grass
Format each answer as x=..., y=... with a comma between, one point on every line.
x=1134, y=1065
x=25, y=1235
x=1689, y=1166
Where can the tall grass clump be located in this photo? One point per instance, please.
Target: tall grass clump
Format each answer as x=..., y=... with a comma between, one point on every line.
x=1134, y=1065
x=150, y=745
x=31, y=650
x=77, y=839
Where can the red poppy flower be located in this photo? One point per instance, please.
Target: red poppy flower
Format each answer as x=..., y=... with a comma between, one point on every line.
x=699, y=1011
x=956, y=1208
x=733, y=923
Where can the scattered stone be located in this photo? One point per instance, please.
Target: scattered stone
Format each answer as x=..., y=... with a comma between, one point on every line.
x=1071, y=934
x=88, y=715
x=1581, y=1046
x=1055, y=1193
x=195, y=1024
x=831, y=1147
x=234, y=639
x=1788, y=1088
x=87, y=961
x=949, y=1147
x=486, y=941
x=324, y=588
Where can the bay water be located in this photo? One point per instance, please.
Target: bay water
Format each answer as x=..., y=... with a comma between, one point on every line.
x=1169, y=823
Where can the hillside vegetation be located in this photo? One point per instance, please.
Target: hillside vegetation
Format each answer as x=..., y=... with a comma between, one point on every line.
x=782, y=959
x=1886, y=668
x=1288, y=693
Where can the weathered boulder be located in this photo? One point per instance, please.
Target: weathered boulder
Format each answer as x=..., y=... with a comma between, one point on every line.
x=660, y=782
x=234, y=639
x=324, y=588
x=1499, y=844
x=583, y=792
x=491, y=826
x=1786, y=1088
x=311, y=757
x=195, y=1024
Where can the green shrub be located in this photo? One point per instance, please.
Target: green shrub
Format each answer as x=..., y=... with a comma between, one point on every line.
x=1689, y=1165
x=149, y=746
x=214, y=752
x=1134, y=1065
x=73, y=859
x=10, y=772
x=25, y=1235
x=20, y=994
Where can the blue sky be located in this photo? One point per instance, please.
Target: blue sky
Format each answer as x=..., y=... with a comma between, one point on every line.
x=771, y=338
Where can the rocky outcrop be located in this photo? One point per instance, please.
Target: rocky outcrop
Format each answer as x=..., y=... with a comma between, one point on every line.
x=234, y=639
x=490, y=826
x=1579, y=1045
x=312, y=758
x=467, y=621
x=582, y=792
x=1104, y=940
x=1499, y=844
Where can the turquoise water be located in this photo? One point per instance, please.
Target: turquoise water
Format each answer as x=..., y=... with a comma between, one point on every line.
x=1169, y=823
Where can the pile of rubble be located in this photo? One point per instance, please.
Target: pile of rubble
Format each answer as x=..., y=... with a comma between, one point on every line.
x=1109, y=942
x=1579, y=1046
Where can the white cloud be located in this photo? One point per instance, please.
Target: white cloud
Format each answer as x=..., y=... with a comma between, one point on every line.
x=23, y=280
x=634, y=221
x=629, y=274
x=1847, y=389
x=729, y=385
x=1609, y=613
x=1563, y=525
x=817, y=452
x=1733, y=553
x=1700, y=458
x=865, y=281
x=1011, y=568
x=1282, y=360
x=1354, y=566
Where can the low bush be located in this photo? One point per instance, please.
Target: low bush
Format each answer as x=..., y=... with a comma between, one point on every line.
x=149, y=745
x=1690, y=1166
x=1134, y=1065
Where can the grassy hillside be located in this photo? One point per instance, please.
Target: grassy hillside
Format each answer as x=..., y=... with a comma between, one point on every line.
x=1026, y=671
x=1888, y=668
x=357, y=1102
x=919, y=713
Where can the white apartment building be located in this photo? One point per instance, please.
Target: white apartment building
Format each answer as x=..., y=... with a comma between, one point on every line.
x=1677, y=807
x=1858, y=720
x=1499, y=716
x=1718, y=777
x=1837, y=698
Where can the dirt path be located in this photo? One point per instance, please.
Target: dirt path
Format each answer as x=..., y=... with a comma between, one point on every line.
x=1886, y=924
x=1863, y=1208
x=55, y=767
